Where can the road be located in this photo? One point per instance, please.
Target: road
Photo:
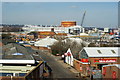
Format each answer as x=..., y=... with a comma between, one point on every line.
x=58, y=70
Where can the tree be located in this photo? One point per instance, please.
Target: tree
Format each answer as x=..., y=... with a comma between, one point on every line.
x=62, y=46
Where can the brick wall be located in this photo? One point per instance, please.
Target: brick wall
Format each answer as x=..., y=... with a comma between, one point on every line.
x=82, y=68
x=93, y=63
x=109, y=70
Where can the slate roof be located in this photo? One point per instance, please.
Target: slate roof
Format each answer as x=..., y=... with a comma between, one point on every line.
x=14, y=51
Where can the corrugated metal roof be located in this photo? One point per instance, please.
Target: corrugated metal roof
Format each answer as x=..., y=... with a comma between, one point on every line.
x=102, y=51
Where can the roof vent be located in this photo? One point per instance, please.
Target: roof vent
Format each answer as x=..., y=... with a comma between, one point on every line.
x=99, y=52
x=113, y=51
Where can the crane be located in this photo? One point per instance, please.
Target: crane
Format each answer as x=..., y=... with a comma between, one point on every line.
x=83, y=18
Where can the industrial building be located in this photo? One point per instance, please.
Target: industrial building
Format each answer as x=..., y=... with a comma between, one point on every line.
x=69, y=27
x=68, y=23
x=18, y=63
x=98, y=56
x=95, y=57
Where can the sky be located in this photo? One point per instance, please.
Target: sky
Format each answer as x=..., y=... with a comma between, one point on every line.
x=98, y=14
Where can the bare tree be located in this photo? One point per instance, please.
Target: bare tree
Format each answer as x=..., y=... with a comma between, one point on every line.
x=62, y=46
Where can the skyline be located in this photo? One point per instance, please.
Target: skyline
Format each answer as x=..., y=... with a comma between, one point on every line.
x=98, y=14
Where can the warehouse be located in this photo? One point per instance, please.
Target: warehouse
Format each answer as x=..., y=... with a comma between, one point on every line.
x=96, y=57
x=18, y=63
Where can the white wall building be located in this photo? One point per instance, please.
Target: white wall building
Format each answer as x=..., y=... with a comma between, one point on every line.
x=56, y=29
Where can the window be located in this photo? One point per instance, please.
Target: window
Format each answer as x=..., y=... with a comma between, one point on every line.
x=83, y=54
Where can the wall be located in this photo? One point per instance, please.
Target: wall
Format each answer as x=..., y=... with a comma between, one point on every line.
x=36, y=74
x=11, y=78
x=109, y=70
x=82, y=68
x=76, y=64
x=93, y=63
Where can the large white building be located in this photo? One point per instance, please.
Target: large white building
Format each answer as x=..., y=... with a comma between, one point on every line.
x=56, y=29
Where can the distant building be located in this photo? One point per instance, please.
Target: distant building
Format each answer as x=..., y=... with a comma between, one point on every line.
x=68, y=23
x=44, y=34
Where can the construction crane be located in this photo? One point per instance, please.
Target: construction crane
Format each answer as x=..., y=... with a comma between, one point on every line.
x=83, y=18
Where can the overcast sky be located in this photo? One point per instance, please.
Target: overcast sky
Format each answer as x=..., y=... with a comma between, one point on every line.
x=98, y=14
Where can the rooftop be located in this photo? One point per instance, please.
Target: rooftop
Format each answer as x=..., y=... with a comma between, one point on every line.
x=15, y=53
x=102, y=51
x=16, y=69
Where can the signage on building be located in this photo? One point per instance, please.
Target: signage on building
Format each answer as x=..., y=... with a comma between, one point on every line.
x=105, y=60
x=84, y=60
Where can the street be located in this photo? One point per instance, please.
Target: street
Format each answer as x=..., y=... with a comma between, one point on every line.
x=58, y=71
